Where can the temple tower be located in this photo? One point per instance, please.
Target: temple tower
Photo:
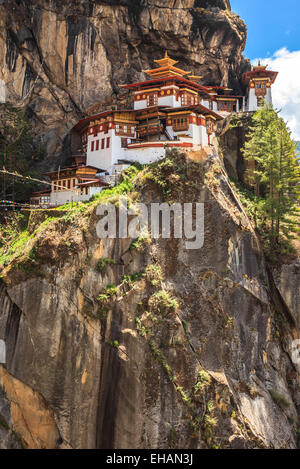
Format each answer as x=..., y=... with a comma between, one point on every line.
x=258, y=84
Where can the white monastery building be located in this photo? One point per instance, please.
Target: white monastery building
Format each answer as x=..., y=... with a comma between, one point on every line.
x=171, y=110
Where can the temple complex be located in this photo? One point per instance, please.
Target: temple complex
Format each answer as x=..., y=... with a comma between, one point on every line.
x=170, y=110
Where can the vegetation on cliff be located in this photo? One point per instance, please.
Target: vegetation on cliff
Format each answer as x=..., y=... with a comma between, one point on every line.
x=18, y=152
x=274, y=173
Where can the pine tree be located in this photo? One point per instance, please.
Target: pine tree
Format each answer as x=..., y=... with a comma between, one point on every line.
x=274, y=172
x=17, y=151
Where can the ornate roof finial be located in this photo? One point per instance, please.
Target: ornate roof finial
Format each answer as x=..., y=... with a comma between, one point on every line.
x=259, y=63
x=166, y=55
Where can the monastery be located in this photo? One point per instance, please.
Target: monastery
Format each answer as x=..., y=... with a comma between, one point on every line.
x=171, y=110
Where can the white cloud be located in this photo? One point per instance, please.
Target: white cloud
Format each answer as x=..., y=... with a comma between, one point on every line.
x=286, y=90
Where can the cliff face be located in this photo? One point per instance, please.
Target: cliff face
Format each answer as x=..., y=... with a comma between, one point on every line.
x=130, y=344
x=191, y=352
x=59, y=58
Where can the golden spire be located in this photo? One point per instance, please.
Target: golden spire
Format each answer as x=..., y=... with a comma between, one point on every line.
x=166, y=61
x=259, y=64
x=166, y=68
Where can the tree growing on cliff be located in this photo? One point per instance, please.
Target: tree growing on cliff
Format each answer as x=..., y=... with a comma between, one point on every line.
x=17, y=151
x=274, y=172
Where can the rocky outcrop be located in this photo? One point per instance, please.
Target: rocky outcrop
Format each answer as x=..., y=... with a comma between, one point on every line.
x=287, y=279
x=59, y=58
x=185, y=349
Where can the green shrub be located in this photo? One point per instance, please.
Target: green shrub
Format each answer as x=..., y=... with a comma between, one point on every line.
x=131, y=279
x=103, y=263
x=161, y=302
x=153, y=274
x=107, y=294
x=203, y=381
x=114, y=343
x=140, y=243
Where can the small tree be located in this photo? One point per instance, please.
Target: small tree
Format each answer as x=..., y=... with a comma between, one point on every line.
x=275, y=176
x=17, y=150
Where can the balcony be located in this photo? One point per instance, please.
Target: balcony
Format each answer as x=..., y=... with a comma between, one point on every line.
x=149, y=130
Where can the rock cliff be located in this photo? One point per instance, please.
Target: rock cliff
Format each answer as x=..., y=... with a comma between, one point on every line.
x=130, y=343
x=60, y=58
x=146, y=344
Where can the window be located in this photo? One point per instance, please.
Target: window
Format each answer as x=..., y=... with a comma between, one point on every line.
x=102, y=143
x=123, y=142
x=180, y=123
x=152, y=100
x=107, y=142
x=187, y=100
x=210, y=126
x=226, y=106
x=97, y=145
x=92, y=146
x=69, y=183
x=64, y=183
x=122, y=129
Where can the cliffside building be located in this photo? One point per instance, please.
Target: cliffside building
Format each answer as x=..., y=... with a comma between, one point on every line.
x=258, y=83
x=171, y=110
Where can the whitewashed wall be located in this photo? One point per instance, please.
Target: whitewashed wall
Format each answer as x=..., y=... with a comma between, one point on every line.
x=140, y=104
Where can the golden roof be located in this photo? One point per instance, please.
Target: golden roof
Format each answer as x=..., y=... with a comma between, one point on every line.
x=166, y=68
x=166, y=61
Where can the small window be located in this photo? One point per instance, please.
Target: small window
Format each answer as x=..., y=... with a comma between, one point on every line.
x=107, y=142
x=102, y=143
x=97, y=145
x=152, y=100
x=92, y=146
x=69, y=183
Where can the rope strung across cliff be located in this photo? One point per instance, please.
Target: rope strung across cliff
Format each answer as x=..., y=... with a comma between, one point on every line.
x=29, y=178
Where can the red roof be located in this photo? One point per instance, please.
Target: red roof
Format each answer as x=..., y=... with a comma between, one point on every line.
x=206, y=89
x=81, y=123
x=90, y=182
x=196, y=107
x=71, y=168
x=40, y=193
x=259, y=73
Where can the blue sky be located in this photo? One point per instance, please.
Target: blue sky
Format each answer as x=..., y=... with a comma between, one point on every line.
x=274, y=37
x=272, y=24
